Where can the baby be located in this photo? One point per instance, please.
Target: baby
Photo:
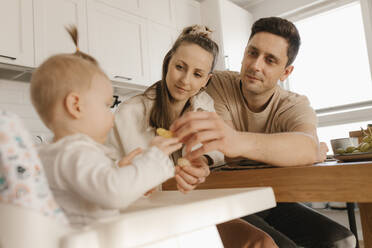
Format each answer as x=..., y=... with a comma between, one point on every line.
x=72, y=96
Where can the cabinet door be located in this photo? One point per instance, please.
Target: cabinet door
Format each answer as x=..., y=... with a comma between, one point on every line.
x=160, y=11
x=16, y=28
x=161, y=39
x=118, y=41
x=132, y=6
x=51, y=18
x=187, y=13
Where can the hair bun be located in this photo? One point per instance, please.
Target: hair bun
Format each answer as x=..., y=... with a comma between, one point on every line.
x=197, y=30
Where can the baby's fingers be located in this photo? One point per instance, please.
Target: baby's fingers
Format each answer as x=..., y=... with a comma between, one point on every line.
x=127, y=160
x=168, y=149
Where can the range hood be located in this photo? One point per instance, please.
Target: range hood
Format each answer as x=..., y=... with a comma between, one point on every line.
x=23, y=74
x=15, y=72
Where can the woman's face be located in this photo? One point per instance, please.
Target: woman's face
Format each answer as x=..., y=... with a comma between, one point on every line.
x=188, y=71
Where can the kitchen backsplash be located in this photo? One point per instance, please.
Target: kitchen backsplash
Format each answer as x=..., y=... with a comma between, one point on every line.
x=15, y=97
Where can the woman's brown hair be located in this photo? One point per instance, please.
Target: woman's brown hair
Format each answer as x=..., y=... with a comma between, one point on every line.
x=196, y=34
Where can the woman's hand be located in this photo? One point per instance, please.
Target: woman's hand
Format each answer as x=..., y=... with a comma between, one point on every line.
x=208, y=129
x=189, y=177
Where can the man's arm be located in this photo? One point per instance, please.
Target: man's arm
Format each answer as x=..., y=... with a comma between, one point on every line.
x=299, y=147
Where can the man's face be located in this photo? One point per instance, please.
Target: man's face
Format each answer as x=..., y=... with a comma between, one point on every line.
x=264, y=63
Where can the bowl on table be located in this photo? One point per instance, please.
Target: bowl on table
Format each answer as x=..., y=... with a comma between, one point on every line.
x=345, y=145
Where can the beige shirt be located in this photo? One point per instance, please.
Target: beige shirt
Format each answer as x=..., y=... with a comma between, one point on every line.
x=88, y=185
x=285, y=111
x=132, y=129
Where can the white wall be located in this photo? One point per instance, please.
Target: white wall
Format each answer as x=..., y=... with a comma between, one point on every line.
x=235, y=21
x=231, y=25
x=210, y=16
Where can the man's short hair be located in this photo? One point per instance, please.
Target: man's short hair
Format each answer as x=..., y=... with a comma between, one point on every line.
x=283, y=28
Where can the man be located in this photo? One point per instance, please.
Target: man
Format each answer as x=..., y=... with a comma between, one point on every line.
x=263, y=122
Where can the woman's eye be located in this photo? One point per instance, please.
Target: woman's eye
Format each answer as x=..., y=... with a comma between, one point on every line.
x=179, y=67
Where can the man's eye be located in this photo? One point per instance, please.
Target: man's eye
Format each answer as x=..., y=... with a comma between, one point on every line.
x=197, y=75
x=270, y=60
x=252, y=53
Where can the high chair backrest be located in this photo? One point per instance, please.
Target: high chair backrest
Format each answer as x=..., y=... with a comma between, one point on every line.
x=21, y=227
x=29, y=215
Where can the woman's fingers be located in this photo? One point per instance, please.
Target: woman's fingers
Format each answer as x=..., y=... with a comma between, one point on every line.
x=182, y=185
x=190, y=179
x=197, y=172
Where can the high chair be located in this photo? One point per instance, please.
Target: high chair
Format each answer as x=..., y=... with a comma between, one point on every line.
x=167, y=219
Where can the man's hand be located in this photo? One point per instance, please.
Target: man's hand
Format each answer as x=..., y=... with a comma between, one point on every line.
x=189, y=177
x=323, y=149
x=127, y=160
x=208, y=129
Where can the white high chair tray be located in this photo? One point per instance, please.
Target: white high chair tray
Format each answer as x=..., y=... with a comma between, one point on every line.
x=168, y=214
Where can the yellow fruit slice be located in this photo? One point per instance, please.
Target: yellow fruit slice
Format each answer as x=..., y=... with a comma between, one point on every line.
x=183, y=162
x=164, y=133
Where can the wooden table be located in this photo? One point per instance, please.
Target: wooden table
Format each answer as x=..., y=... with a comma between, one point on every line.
x=330, y=181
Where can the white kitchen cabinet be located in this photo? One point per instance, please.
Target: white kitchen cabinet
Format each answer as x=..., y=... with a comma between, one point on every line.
x=16, y=28
x=131, y=6
x=187, y=13
x=160, y=11
x=231, y=27
x=118, y=41
x=51, y=18
x=160, y=41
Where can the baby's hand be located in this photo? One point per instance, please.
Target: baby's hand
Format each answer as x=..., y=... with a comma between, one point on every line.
x=166, y=145
x=150, y=191
x=127, y=160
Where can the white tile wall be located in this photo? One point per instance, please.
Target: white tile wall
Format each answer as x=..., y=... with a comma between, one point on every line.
x=15, y=97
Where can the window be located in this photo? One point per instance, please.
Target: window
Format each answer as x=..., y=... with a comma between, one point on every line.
x=332, y=69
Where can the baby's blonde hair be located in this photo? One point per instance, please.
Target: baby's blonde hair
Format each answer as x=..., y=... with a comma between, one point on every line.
x=59, y=75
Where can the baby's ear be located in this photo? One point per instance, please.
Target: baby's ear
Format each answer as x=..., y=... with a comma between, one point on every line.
x=73, y=105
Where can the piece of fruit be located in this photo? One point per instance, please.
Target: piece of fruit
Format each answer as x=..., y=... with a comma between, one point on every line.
x=183, y=162
x=340, y=151
x=350, y=149
x=363, y=147
x=164, y=133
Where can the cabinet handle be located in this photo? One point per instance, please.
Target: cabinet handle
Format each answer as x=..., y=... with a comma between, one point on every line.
x=227, y=62
x=125, y=78
x=8, y=57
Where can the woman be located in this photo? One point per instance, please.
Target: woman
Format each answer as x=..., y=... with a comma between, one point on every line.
x=187, y=68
